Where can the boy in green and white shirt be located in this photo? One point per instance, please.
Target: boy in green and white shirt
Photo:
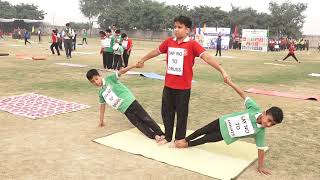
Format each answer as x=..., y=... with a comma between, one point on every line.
x=107, y=42
x=249, y=123
x=113, y=93
x=84, y=36
x=117, y=37
x=117, y=56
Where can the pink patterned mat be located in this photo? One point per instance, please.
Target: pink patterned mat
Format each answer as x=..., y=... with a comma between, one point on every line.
x=282, y=94
x=36, y=106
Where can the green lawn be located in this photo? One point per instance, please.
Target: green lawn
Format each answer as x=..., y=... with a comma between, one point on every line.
x=50, y=148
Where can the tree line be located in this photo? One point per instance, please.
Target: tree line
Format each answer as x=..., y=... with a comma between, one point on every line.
x=284, y=19
x=20, y=11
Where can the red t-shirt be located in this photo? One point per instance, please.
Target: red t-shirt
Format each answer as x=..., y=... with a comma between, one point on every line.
x=292, y=49
x=54, y=37
x=127, y=43
x=186, y=52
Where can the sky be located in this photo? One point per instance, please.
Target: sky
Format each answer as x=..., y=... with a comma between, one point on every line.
x=60, y=12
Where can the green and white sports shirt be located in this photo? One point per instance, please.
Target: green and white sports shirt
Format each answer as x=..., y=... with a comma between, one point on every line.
x=243, y=124
x=115, y=94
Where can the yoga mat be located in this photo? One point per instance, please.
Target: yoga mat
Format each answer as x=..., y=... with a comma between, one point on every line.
x=216, y=160
x=84, y=53
x=72, y=65
x=39, y=57
x=16, y=45
x=282, y=94
x=150, y=75
x=156, y=76
x=314, y=74
x=24, y=57
x=36, y=106
x=229, y=57
x=30, y=57
x=275, y=64
x=4, y=54
x=133, y=73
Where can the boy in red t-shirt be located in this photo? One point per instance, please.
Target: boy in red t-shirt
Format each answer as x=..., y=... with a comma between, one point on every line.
x=54, y=44
x=181, y=52
x=127, y=44
x=291, y=53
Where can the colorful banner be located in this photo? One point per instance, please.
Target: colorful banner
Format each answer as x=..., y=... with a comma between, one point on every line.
x=254, y=40
x=207, y=37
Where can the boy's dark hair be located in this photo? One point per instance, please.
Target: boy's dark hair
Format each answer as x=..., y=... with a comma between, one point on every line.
x=108, y=30
x=91, y=73
x=123, y=35
x=103, y=33
x=68, y=24
x=117, y=31
x=184, y=20
x=276, y=113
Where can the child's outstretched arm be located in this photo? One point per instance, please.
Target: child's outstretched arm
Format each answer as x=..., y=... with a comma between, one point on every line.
x=150, y=55
x=126, y=69
x=208, y=58
x=237, y=89
x=261, y=168
x=102, y=110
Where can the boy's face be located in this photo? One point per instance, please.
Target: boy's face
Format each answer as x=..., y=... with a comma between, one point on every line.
x=267, y=120
x=96, y=81
x=180, y=30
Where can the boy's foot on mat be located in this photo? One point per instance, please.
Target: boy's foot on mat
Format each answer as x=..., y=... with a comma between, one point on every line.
x=157, y=138
x=162, y=142
x=182, y=144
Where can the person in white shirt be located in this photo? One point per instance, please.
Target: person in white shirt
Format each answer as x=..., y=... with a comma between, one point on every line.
x=68, y=35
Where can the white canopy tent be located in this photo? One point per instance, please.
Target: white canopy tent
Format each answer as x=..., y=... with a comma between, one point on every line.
x=25, y=20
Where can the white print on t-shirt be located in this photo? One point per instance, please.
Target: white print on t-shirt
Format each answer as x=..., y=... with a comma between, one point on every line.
x=175, y=61
x=239, y=126
x=111, y=98
x=125, y=44
x=106, y=43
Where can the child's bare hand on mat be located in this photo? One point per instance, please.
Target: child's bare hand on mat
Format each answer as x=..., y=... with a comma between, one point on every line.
x=101, y=124
x=263, y=170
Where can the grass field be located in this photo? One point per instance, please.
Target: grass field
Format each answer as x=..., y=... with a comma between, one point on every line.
x=61, y=147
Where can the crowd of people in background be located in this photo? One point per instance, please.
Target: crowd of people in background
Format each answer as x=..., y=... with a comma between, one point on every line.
x=284, y=43
x=115, y=48
x=235, y=42
x=66, y=38
x=117, y=56
x=1, y=34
